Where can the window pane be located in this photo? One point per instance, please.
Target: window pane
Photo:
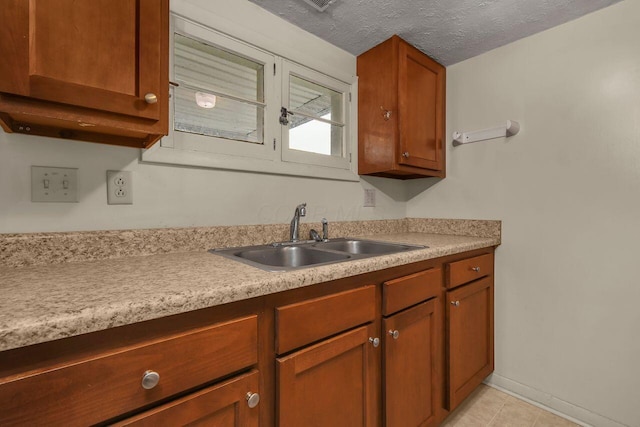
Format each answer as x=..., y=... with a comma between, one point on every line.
x=227, y=119
x=201, y=65
x=315, y=100
x=316, y=136
x=213, y=85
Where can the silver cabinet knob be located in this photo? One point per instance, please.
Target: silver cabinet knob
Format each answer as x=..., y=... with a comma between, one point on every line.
x=385, y=113
x=151, y=98
x=374, y=341
x=253, y=399
x=476, y=269
x=405, y=154
x=455, y=303
x=150, y=379
x=394, y=333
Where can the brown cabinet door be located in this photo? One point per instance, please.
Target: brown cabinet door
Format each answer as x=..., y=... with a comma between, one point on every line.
x=330, y=384
x=470, y=337
x=412, y=381
x=99, y=54
x=223, y=405
x=421, y=109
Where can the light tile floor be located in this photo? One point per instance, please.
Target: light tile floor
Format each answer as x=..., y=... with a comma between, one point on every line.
x=488, y=407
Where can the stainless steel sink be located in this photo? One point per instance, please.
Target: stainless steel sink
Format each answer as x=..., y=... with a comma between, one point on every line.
x=363, y=247
x=290, y=256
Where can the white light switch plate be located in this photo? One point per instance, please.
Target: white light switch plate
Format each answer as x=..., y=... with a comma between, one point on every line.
x=49, y=184
x=119, y=188
x=369, y=197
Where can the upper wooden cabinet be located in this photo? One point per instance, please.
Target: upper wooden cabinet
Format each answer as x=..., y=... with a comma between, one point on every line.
x=92, y=70
x=401, y=112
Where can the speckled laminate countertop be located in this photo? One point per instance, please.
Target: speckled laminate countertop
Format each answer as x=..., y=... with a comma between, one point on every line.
x=44, y=303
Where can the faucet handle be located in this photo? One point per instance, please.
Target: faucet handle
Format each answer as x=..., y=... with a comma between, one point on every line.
x=325, y=229
x=313, y=235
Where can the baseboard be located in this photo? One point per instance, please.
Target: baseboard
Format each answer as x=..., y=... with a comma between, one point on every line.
x=550, y=403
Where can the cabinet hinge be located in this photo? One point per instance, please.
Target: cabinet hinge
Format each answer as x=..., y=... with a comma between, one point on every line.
x=349, y=157
x=274, y=144
x=349, y=96
x=274, y=68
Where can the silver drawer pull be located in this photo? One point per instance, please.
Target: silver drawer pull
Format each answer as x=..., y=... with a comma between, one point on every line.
x=455, y=303
x=394, y=333
x=476, y=269
x=374, y=341
x=150, y=98
x=253, y=399
x=150, y=379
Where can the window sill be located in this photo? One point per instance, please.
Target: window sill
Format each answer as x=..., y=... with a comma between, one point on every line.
x=170, y=156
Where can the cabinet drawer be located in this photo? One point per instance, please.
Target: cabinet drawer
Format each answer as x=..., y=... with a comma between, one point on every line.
x=223, y=404
x=104, y=386
x=309, y=321
x=461, y=272
x=406, y=291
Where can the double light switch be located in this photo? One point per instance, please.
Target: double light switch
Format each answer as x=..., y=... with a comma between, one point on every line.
x=50, y=184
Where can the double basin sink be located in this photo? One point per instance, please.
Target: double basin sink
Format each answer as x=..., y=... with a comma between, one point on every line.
x=290, y=256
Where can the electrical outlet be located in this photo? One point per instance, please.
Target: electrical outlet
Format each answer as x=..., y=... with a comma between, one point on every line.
x=50, y=184
x=369, y=197
x=119, y=187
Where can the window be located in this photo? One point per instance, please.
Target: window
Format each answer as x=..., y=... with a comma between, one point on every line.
x=220, y=94
x=235, y=106
x=220, y=104
x=316, y=109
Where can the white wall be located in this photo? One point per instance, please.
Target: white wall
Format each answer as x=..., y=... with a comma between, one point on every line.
x=567, y=189
x=170, y=196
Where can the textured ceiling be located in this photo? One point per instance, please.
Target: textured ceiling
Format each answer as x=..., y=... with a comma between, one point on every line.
x=449, y=31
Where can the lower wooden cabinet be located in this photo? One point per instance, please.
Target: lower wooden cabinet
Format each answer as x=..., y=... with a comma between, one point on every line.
x=393, y=348
x=230, y=404
x=469, y=337
x=330, y=383
x=412, y=357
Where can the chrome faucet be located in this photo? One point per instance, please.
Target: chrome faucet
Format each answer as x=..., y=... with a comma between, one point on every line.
x=294, y=231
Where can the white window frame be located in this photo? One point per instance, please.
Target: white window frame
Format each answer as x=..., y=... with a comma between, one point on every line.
x=297, y=156
x=273, y=156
